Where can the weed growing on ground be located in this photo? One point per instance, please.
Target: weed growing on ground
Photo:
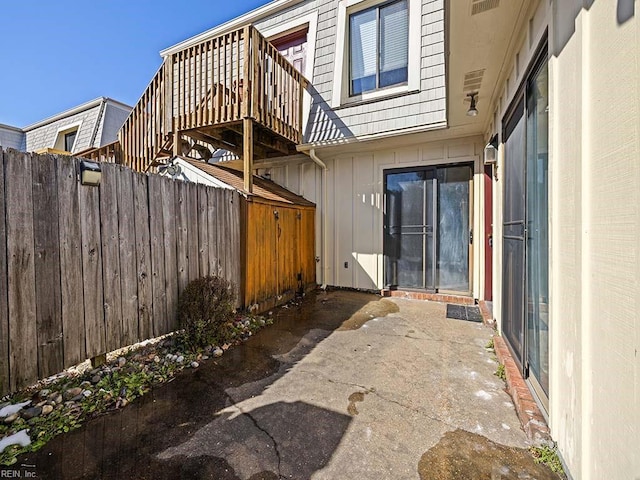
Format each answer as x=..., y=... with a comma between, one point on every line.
x=490, y=345
x=500, y=372
x=548, y=455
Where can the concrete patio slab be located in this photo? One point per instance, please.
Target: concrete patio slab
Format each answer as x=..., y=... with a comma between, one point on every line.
x=346, y=385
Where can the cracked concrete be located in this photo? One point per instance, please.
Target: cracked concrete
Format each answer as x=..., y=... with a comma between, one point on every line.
x=347, y=385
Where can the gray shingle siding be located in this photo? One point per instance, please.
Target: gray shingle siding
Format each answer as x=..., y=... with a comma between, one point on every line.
x=45, y=136
x=425, y=107
x=113, y=118
x=421, y=108
x=11, y=138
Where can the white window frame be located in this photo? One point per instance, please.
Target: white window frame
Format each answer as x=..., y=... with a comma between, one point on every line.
x=62, y=131
x=309, y=20
x=341, y=70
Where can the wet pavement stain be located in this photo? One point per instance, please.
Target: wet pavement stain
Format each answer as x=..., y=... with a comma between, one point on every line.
x=353, y=398
x=374, y=309
x=462, y=455
x=127, y=443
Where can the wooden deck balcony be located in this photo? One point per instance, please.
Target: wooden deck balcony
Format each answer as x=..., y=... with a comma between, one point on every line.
x=234, y=92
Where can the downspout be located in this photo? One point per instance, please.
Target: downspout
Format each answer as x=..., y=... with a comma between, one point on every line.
x=325, y=263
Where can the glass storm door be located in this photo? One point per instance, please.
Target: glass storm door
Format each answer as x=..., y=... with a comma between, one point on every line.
x=409, y=229
x=525, y=274
x=426, y=229
x=513, y=232
x=537, y=230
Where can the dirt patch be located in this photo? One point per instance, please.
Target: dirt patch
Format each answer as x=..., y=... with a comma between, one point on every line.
x=464, y=455
x=374, y=309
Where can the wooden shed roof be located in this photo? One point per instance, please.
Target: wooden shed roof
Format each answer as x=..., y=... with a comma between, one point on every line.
x=262, y=188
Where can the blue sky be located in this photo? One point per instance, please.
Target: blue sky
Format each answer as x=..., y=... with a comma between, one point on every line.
x=55, y=55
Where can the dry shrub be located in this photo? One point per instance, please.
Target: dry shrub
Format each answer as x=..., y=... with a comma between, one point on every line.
x=205, y=312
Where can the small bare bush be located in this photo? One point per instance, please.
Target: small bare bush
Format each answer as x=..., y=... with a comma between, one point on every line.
x=205, y=311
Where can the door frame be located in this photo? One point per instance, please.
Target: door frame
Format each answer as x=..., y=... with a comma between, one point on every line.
x=412, y=168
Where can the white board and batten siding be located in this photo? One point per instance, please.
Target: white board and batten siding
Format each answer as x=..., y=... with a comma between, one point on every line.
x=355, y=202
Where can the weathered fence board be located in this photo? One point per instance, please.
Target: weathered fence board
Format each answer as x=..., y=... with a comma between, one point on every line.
x=70, y=262
x=182, y=240
x=92, y=285
x=203, y=231
x=192, y=234
x=110, y=257
x=143, y=256
x=212, y=227
x=127, y=244
x=88, y=269
x=47, y=267
x=157, y=255
x=4, y=307
x=23, y=356
x=170, y=261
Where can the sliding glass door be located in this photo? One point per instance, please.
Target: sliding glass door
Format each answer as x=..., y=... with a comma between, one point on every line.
x=426, y=229
x=525, y=275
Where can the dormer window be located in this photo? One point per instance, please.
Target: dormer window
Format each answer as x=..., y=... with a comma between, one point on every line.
x=66, y=138
x=69, y=140
x=379, y=47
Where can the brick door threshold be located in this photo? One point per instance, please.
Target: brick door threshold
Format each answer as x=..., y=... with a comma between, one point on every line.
x=434, y=297
x=533, y=423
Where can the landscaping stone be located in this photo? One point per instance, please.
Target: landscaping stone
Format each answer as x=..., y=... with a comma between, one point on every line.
x=218, y=352
x=11, y=418
x=44, y=393
x=195, y=364
x=87, y=393
x=71, y=393
x=180, y=359
x=47, y=409
x=30, y=413
x=122, y=361
x=95, y=379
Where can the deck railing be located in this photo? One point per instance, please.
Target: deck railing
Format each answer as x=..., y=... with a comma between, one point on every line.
x=218, y=82
x=109, y=153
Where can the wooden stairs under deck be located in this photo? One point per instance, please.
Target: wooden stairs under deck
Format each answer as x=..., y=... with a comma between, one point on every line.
x=234, y=92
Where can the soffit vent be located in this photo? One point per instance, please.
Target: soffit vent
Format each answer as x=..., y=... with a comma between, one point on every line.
x=473, y=80
x=480, y=6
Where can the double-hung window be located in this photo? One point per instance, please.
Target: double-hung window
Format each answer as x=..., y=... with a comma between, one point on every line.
x=378, y=47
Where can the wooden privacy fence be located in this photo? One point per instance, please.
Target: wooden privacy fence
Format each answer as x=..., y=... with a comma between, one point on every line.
x=86, y=270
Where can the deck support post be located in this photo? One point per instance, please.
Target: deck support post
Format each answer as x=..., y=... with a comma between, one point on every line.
x=176, y=144
x=247, y=143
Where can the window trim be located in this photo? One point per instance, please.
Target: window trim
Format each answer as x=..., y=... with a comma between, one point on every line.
x=310, y=22
x=342, y=63
x=58, y=143
x=376, y=8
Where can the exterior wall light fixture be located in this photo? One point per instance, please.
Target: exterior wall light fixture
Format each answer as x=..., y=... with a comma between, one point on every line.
x=473, y=111
x=491, y=151
x=90, y=173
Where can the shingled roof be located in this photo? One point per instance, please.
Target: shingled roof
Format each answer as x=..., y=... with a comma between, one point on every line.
x=262, y=188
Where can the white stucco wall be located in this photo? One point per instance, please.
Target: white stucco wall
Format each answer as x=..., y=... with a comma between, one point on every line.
x=594, y=266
